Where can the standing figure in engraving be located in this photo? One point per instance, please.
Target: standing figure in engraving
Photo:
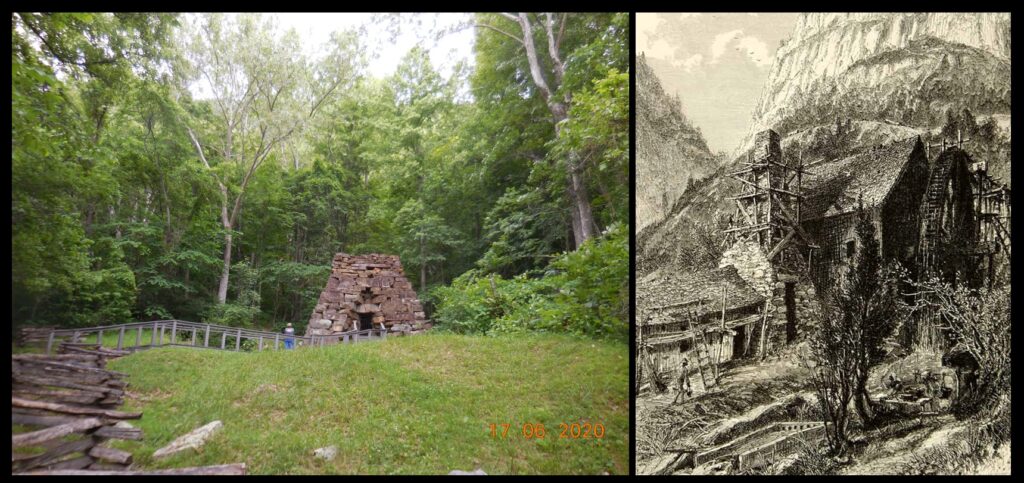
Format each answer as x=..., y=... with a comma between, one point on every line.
x=684, y=383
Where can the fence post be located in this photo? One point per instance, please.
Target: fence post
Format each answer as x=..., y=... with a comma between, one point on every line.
x=194, y=330
x=238, y=341
x=261, y=344
x=153, y=342
x=206, y=338
x=120, y=338
x=99, y=338
x=74, y=338
x=276, y=338
x=163, y=328
x=174, y=332
x=223, y=339
x=49, y=343
x=138, y=337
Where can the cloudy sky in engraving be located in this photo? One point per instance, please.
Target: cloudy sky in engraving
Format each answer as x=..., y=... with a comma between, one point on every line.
x=716, y=62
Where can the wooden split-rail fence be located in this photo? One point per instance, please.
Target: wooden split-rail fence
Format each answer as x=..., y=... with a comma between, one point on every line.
x=160, y=333
x=68, y=403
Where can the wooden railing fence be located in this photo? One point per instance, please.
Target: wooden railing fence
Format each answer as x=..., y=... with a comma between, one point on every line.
x=159, y=333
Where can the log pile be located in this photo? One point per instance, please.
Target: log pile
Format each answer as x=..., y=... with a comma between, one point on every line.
x=367, y=288
x=72, y=399
x=69, y=403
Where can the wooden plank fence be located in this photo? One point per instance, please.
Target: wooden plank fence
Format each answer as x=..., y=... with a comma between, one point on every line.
x=797, y=436
x=792, y=435
x=183, y=333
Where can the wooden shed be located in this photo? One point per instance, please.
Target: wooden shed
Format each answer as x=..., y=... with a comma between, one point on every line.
x=677, y=308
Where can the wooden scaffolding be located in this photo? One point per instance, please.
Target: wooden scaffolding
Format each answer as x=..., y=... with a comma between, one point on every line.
x=768, y=205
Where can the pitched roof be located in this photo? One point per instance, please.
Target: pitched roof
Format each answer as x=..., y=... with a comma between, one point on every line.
x=663, y=287
x=836, y=185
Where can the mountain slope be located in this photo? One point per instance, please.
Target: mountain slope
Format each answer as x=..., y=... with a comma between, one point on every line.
x=903, y=68
x=883, y=77
x=669, y=150
x=682, y=240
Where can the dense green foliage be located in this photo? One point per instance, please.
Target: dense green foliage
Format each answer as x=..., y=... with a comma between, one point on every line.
x=583, y=292
x=136, y=198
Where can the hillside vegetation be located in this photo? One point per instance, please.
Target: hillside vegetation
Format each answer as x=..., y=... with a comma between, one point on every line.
x=421, y=404
x=208, y=167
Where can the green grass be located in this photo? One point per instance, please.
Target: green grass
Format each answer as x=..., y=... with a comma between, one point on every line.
x=420, y=404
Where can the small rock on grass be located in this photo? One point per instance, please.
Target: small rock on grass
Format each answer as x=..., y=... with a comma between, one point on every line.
x=328, y=453
x=193, y=440
x=477, y=471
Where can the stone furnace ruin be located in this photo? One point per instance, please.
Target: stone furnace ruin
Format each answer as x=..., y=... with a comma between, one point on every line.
x=365, y=292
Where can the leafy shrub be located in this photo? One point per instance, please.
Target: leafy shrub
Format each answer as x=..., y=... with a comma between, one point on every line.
x=585, y=292
x=231, y=314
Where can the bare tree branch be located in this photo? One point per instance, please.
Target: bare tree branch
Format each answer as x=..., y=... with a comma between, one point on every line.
x=556, y=61
x=531, y=54
x=561, y=31
x=496, y=29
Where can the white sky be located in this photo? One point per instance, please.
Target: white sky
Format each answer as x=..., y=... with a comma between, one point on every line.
x=716, y=62
x=315, y=30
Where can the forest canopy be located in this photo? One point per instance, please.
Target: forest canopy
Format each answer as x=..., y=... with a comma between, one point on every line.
x=135, y=199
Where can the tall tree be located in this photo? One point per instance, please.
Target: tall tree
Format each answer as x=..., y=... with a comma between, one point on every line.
x=263, y=93
x=871, y=308
x=547, y=68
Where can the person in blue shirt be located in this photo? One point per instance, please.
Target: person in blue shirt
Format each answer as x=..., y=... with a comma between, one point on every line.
x=289, y=342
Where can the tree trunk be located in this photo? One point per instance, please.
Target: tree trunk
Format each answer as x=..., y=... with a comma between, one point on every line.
x=863, y=403
x=579, y=200
x=225, y=274
x=581, y=204
x=423, y=270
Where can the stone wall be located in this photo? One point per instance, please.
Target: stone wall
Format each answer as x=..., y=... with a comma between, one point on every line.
x=367, y=287
x=753, y=267
x=806, y=306
x=751, y=264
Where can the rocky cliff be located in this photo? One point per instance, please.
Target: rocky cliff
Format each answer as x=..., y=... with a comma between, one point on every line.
x=900, y=68
x=669, y=150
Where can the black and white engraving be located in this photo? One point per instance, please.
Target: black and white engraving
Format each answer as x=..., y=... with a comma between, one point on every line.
x=823, y=271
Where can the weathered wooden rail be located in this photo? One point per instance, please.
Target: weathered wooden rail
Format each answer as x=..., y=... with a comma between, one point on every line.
x=73, y=399
x=68, y=404
x=182, y=333
x=761, y=446
x=797, y=435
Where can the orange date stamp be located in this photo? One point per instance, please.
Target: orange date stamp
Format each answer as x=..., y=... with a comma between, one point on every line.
x=538, y=431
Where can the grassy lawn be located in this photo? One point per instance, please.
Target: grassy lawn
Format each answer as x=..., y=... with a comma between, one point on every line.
x=420, y=404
